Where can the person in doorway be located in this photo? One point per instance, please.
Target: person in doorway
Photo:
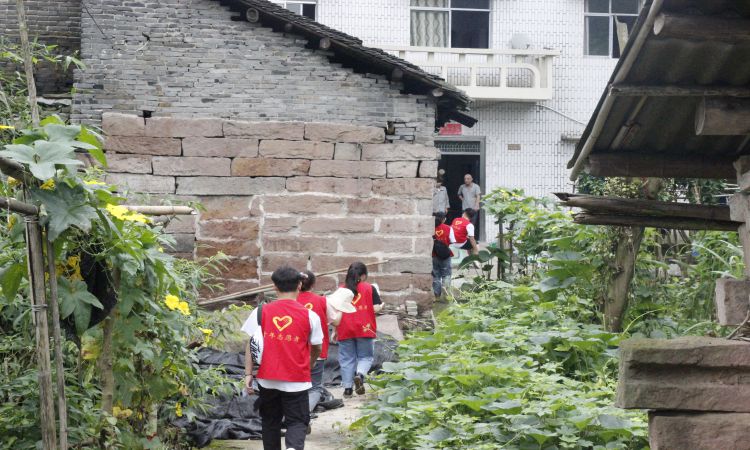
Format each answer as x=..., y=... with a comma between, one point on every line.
x=440, y=202
x=329, y=310
x=441, y=255
x=292, y=340
x=470, y=194
x=356, y=332
x=463, y=229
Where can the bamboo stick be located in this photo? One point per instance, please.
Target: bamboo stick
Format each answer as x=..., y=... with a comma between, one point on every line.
x=268, y=288
x=18, y=207
x=35, y=256
x=28, y=63
x=162, y=210
x=62, y=404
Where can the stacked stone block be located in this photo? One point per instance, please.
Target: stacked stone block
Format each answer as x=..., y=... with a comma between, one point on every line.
x=314, y=195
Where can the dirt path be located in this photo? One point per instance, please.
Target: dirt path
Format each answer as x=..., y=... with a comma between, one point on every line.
x=329, y=429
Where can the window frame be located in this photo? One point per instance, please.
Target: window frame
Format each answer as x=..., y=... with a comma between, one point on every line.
x=283, y=4
x=611, y=24
x=449, y=9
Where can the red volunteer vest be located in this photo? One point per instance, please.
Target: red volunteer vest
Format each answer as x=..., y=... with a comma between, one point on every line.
x=459, y=229
x=360, y=324
x=443, y=234
x=286, y=342
x=317, y=304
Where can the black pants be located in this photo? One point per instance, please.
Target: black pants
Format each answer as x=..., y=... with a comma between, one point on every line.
x=276, y=405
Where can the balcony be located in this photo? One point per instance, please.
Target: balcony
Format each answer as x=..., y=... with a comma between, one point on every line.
x=494, y=75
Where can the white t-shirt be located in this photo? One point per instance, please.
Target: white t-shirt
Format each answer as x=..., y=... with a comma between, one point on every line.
x=316, y=338
x=469, y=233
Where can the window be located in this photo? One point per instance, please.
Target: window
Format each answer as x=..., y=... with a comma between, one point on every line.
x=450, y=23
x=608, y=25
x=302, y=7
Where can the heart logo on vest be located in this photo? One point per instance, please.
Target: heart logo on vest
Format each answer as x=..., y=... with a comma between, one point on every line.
x=439, y=233
x=356, y=299
x=282, y=322
x=309, y=306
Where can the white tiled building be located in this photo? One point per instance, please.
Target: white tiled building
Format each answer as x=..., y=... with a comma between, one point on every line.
x=535, y=68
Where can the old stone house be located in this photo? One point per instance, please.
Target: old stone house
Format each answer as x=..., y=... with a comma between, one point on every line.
x=303, y=145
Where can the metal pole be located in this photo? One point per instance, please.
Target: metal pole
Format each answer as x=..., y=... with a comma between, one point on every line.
x=62, y=406
x=35, y=256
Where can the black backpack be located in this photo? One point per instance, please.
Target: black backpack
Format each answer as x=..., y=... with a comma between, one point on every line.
x=439, y=248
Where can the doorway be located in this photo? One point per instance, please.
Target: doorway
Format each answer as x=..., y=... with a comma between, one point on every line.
x=460, y=155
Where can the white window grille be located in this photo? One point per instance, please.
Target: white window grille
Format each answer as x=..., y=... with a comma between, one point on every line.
x=450, y=23
x=608, y=24
x=305, y=8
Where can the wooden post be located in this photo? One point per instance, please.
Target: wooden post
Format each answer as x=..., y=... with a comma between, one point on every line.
x=28, y=63
x=722, y=117
x=35, y=256
x=62, y=404
x=500, y=246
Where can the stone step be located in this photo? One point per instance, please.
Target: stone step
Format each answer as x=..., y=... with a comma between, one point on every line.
x=699, y=431
x=732, y=300
x=684, y=374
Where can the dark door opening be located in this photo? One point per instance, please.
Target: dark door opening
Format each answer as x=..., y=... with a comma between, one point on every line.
x=455, y=167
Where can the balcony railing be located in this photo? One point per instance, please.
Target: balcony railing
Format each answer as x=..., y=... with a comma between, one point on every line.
x=498, y=75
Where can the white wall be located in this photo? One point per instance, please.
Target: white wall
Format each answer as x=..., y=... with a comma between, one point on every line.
x=540, y=166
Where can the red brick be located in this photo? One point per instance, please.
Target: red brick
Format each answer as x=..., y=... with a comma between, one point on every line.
x=200, y=146
x=402, y=169
x=393, y=283
x=265, y=130
x=326, y=284
x=326, y=263
x=340, y=186
x=269, y=167
x=115, y=124
x=372, y=244
x=300, y=244
x=183, y=127
x=337, y=132
x=272, y=261
x=239, y=269
x=422, y=281
x=348, y=169
x=380, y=206
x=144, y=184
x=296, y=149
x=143, y=145
x=398, y=152
x=240, y=248
x=404, y=187
x=225, y=207
x=303, y=204
x=180, y=224
x=128, y=163
x=279, y=224
x=342, y=225
x=191, y=166
x=420, y=225
x=228, y=229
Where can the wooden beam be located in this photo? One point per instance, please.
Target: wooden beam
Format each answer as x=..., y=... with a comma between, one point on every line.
x=624, y=164
x=635, y=90
x=722, y=117
x=162, y=210
x=655, y=222
x=702, y=28
x=594, y=204
x=18, y=207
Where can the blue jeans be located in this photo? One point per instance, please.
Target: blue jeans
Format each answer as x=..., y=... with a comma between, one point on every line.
x=355, y=356
x=441, y=275
x=316, y=392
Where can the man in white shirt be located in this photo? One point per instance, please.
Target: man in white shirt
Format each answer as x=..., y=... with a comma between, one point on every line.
x=291, y=338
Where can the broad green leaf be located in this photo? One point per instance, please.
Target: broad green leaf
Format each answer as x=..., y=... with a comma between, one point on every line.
x=10, y=279
x=41, y=157
x=439, y=434
x=65, y=134
x=612, y=422
x=65, y=207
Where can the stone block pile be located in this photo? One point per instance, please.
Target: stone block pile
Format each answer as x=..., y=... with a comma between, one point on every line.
x=315, y=195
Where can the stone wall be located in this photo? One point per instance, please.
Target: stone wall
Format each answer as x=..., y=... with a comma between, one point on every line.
x=184, y=58
x=315, y=195
x=51, y=22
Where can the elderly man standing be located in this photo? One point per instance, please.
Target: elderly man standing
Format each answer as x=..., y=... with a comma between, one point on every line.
x=470, y=194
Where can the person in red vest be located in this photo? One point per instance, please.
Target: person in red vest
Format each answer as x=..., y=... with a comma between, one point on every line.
x=441, y=255
x=356, y=332
x=463, y=229
x=292, y=340
x=329, y=312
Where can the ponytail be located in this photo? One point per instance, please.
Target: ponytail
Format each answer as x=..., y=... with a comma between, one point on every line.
x=355, y=272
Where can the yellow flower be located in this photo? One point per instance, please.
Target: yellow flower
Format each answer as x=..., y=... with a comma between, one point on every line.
x=12, y=221
x=124, y=213
x=12, y=182
x=121, y=413
x=136, y=217
x=178, y=409
x=172, y=302
x=74, y=262
x=184, y=308
x=7, y=127
x=206, y=331
x=95, y=183
x=48, y=185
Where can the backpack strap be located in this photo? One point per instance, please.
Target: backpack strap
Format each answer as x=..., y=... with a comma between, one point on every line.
x=260, y=313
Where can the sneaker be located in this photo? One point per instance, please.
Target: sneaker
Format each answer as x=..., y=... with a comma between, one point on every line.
x=348, y=393
x=359, y=384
